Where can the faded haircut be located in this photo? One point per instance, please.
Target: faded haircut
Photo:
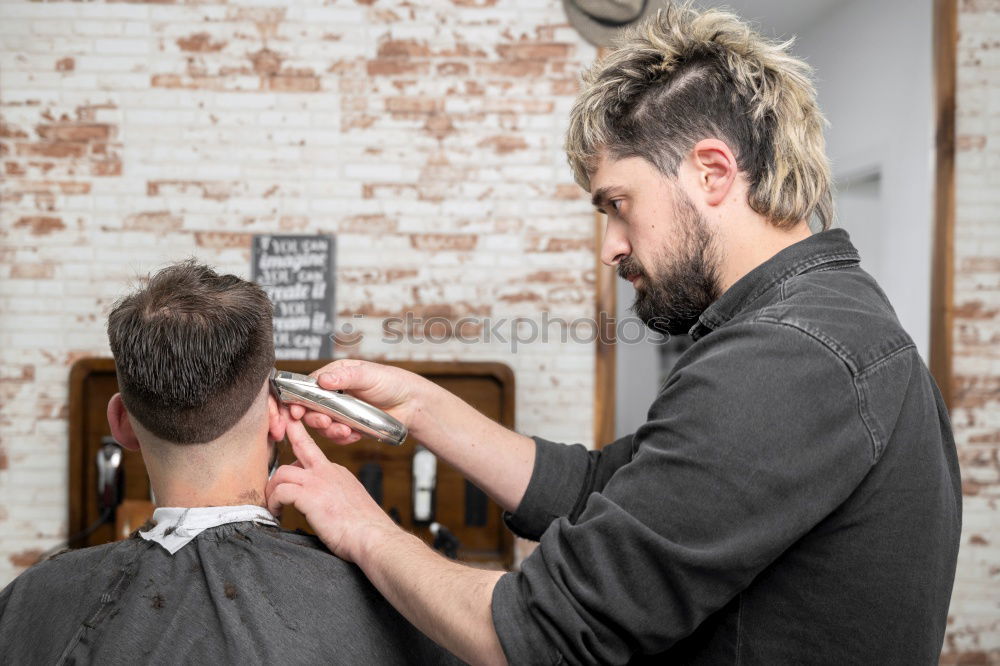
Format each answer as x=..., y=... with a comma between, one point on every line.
x=192, y=350
x=686, y=75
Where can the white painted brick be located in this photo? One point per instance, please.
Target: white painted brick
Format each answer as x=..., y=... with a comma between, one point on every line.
x=334, y=16
x=122, y=46
x=137, y=12
x=103, y=28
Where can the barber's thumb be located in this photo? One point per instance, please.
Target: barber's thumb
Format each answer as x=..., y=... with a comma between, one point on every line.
x=331, y=380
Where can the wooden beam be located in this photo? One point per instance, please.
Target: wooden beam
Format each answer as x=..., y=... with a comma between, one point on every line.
x=943, y=269
x=606, y=318
x=605, y=314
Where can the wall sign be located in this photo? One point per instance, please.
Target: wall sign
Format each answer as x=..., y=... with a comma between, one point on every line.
x=297, y=272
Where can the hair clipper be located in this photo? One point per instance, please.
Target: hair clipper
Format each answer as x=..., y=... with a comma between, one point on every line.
x=294, y=389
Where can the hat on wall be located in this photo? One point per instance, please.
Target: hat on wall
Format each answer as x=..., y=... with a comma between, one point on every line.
x=600, y=21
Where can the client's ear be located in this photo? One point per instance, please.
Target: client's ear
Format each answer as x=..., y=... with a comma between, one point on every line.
x=121, y=427
x=277, y=419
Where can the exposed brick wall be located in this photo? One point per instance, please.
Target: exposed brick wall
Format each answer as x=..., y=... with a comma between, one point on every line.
x=974, y=632
x=427, y=136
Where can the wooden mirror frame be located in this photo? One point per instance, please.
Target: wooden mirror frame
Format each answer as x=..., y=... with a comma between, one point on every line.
x=943, y=268
x=942, y=279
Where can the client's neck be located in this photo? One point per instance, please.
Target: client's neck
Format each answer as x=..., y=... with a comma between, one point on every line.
x=219, y=473
x=178, y=489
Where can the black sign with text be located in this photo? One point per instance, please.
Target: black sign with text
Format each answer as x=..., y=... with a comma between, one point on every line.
x=297, y=272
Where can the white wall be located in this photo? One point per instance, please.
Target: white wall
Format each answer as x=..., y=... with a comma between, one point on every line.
x=637, y=369
x=873, y=61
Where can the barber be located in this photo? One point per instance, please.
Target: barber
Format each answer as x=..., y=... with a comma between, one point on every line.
x=794, y=495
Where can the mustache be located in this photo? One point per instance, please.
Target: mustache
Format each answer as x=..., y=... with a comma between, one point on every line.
x=629, y=267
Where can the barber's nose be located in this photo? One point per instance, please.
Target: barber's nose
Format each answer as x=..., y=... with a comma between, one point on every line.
x=615, y=246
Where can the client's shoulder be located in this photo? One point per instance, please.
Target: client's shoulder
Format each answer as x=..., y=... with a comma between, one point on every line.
x=299, y=546
x=71, y=563
x=297, y=537
x=278, y=548
x=328, y=599
x=68, y=577
x=298, y=542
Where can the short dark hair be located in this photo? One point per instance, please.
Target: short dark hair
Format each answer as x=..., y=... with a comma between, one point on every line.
x=192, y=350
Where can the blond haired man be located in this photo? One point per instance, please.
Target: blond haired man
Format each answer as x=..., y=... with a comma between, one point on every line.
x=794, y=496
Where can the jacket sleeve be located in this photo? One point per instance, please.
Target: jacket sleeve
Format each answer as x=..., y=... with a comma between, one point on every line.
x=5, y=599
x=563, y=477
x=751, y=442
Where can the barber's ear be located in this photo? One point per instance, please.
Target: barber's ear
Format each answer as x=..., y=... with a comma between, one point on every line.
x=121, y=427
x=715, y=168
x=277, y=419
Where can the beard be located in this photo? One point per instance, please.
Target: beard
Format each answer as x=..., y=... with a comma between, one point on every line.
x=685, y=284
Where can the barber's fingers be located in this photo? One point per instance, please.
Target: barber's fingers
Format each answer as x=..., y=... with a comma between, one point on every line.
x=339, y=363
x=282, y=495
x=298, y=411
x=335, y=367
x=336, y=432
x=351, y=374
x=289, y=474
x=303, y=446
x=318, y=420
x=327, y=426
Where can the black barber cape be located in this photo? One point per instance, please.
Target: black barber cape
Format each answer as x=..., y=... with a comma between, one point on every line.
x=239, y=593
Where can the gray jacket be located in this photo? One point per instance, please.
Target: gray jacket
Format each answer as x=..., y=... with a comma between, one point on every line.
x=793, y=498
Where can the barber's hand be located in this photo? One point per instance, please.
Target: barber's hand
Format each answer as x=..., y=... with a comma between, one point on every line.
x=393, y=390
x=334, y=502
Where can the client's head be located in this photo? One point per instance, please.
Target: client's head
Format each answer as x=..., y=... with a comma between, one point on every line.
x=193, y=350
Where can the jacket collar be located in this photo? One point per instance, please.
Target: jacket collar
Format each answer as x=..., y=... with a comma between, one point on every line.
x=819, y=250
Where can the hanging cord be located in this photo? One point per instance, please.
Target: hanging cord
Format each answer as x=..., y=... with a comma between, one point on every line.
x=110, y=485
x=105, y=517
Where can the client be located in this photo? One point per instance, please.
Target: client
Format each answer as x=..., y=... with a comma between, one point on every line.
x=215, y=580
